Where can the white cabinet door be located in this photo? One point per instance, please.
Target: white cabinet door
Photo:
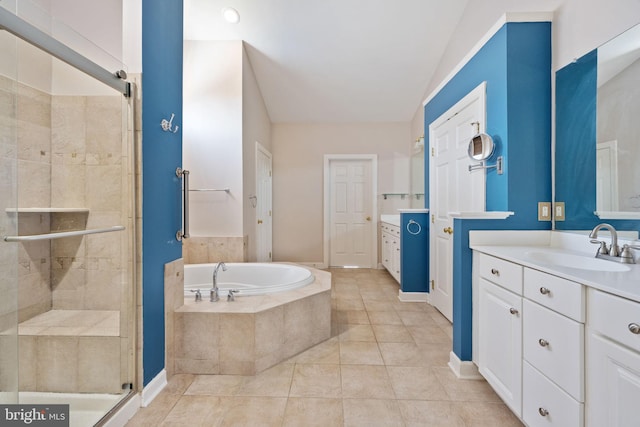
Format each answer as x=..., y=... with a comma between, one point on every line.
x=395, y=258
x=500, y=346
x=386, y=250
x=613, y=383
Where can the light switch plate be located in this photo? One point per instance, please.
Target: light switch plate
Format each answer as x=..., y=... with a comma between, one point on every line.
x=544, y=211
x=558, y=211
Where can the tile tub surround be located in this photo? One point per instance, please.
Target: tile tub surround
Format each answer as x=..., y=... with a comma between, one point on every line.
x=202, y=250
x=252, y=333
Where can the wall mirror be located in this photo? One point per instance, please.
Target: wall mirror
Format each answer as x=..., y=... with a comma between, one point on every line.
x=618, y=125
x=417, y=177
x=597, y=153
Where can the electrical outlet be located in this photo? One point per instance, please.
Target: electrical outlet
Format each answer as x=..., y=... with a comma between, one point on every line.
x=544, y=211
x=558, y=211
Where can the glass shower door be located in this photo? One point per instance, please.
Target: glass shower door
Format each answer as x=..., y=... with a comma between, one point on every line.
x=67, y=220
x=8, y=225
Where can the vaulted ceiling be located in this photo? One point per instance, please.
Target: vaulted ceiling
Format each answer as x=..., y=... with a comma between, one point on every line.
x=335, y=60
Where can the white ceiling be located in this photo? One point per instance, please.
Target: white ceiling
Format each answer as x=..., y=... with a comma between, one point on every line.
x=335, y=60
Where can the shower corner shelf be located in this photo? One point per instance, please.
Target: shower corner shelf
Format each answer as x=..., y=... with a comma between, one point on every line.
x=46, y=210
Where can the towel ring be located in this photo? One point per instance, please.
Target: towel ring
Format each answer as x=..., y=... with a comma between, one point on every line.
x=416, y=230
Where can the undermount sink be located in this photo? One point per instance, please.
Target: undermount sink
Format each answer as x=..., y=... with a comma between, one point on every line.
x=562, y=259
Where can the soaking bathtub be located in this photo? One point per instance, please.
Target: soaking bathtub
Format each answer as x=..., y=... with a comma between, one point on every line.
x=246, y=278
x=287, y=309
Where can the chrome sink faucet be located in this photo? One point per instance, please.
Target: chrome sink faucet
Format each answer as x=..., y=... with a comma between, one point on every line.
x=214, y=295
x=613, y=250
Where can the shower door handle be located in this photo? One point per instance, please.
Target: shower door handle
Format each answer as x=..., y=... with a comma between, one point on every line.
x=184, y=232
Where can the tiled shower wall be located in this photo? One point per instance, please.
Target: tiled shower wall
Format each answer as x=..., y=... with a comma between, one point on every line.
x=70, y=155
x=8, y=264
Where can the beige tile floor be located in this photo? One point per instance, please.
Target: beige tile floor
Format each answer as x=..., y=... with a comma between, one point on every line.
x=385, y=365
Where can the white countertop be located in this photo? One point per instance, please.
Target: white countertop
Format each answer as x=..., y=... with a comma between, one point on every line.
x=391, y=219
x=625, y=284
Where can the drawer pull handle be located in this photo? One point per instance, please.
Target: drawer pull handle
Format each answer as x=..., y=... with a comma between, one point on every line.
x=543, y=412
x=543, y=343
x=634, y=328
x=513, y=310
x=544, y=291
x=495, y=272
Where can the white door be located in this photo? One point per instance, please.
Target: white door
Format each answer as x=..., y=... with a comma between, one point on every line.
x=607, y=176
x=452, y=188
x=263, y=203
x=351, y=213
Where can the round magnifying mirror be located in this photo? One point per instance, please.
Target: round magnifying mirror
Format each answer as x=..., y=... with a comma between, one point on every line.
x=481, y=147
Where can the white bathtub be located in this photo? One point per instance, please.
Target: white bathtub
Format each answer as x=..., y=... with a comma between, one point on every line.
x=246, y=278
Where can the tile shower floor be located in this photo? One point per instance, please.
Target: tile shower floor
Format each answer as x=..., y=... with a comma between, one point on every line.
x=385, y=365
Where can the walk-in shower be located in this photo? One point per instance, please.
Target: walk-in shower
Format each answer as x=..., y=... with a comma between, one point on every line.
x=67, y=305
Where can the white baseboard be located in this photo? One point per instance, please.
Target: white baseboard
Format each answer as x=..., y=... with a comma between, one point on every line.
x=464, y=370
x=153, y=388
x=125, y=413
x=412, y=296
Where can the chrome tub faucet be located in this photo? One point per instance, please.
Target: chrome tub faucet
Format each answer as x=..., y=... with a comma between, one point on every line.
x=214, y=294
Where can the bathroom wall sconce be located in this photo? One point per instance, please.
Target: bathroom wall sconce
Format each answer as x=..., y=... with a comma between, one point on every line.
x=419, y=144
x=167, y=125
x=254, y=201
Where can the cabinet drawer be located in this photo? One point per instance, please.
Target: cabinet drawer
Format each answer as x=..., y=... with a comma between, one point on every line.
x=545, y=404
x=390, y=228
x=561, y=295
x=554, y=344
x=501, y=272
x=614, y=317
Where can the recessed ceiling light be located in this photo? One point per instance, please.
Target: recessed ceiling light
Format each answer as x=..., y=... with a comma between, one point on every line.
x=231, y=15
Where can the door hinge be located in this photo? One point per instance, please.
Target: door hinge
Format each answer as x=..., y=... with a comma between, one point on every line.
x=269, y=173
x=433, y=284
x=433, y=152
x=433, y=219
x=269, y=213
x=269, y=254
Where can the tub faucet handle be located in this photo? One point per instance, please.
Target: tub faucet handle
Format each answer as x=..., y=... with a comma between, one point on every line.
x=198, y=294
x=231, y=295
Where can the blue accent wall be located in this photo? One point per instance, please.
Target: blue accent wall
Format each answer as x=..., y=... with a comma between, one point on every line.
x=516, y=66
x=414, y=250
x=576, y=102
x=161, y=155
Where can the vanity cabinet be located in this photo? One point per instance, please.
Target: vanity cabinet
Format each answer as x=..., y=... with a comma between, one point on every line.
x=390, y=245
x=531, y=341
x=613, y=360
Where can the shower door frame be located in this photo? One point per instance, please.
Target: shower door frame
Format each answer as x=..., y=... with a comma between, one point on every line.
x=21, y=29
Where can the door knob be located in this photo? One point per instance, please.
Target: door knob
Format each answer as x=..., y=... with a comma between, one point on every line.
x=259, y=221
x=368, y=218
x=448, y=230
